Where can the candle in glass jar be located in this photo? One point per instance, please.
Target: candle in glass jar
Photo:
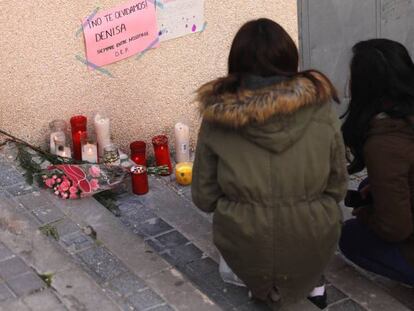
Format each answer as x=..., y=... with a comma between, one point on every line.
x=111, y=155
x=138, y=152
x=89, y=153
x=184, y=173
x=58, y=134
x=139, y=178
x=78, y=125
x=162, y=152
x=182, y=142
x=64, y=152
x=56, y=138
x=103, y=132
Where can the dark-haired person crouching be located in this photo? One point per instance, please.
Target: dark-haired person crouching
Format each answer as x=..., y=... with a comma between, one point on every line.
x=379, y=130
x=270, y=164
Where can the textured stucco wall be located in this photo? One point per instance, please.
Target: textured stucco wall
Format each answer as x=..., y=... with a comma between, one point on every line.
x=41, y=79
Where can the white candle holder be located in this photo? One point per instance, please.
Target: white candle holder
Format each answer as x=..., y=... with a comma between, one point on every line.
x=103, y=132
x=182, y=142
x=89, y=151
x=58, y=129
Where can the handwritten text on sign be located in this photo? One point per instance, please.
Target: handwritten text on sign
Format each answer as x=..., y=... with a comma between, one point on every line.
x=121, y=32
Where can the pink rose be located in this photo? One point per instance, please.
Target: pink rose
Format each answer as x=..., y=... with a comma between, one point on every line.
x=73, y=190
x=94, y=184
x=64, y=186
x=95, y=171
x=73, y=196
x=49, y=182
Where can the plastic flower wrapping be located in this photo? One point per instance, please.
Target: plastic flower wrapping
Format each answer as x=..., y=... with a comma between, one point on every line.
x=74, y=181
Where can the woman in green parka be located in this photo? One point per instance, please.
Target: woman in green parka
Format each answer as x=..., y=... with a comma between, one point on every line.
x=270, y=164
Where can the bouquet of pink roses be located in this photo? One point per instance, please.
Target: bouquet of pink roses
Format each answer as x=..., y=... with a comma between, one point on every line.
x=70, y=181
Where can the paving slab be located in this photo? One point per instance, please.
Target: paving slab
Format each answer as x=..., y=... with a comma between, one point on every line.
x=66, y=227
x=9, y=177
x=181, y=293
x=347, y=305
x=5, y=292
x=368, y=294
x=44, y=301
x=47, y=214
x=14, y=305
x=80, y=292
x=26, y=283
x=105, y=265
x=334, y=294
x=77, y=241
x=19, y=189
x=8, y=199
x=12, y=267
x=33, y=200
x=403, y=294
x=144, y=300
x=127, y=284
x=182, y=214
x=5, y=253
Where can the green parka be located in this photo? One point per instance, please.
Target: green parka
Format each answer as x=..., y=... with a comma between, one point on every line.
x=270, y=165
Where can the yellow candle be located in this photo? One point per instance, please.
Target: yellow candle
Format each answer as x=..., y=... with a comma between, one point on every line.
x=184, y=173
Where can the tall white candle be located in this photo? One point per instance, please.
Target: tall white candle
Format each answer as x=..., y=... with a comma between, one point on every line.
x=182, y=143
x=64, y=152
x=56, y=137
x=103, y=132
x=89, y=153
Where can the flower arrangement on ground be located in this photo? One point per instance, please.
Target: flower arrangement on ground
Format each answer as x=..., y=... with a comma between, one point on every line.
x=70, y=181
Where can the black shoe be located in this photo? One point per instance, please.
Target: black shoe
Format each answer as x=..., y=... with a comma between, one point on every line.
x=320, y=301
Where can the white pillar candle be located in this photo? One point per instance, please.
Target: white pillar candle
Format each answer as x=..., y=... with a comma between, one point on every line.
x=103, y=132
x=182, y=143
x=56, y=138
x=64, y=152
x=90, y=153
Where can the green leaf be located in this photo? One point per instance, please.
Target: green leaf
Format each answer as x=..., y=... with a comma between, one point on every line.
x=50, y=231
x=47, y=278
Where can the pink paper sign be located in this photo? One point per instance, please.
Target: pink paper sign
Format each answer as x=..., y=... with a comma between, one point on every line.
x=120, y=32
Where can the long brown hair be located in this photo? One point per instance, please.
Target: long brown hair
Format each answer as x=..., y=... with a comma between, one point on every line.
x=262, y=48
x=382, y=80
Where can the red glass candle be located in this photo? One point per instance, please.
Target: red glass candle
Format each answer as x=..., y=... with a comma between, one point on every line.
x=78, y=125
x=162, y=152
x=139, y=178
x=138, y=152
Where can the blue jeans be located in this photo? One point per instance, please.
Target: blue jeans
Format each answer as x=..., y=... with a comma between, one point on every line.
x=363, y=247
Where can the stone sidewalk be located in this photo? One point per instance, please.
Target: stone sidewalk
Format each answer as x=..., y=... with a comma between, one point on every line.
x=158, y=255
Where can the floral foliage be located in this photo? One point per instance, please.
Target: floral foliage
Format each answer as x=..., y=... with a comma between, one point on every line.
x=70, y=181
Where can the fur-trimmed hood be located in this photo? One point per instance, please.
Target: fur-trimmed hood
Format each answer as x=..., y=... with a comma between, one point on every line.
x=258, y=104
x=271, y=112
